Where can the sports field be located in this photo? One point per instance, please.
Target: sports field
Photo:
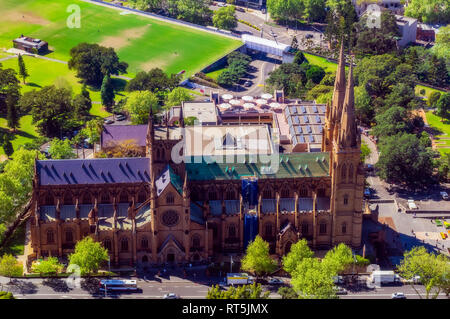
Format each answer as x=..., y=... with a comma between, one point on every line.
x=142, y=42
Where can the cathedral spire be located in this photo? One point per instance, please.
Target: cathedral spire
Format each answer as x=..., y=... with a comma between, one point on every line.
x=348, y=134
x=150, y=130
x=339, y=87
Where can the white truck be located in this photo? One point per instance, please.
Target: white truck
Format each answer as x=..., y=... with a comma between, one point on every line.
x=384, y=277
x=238, y=279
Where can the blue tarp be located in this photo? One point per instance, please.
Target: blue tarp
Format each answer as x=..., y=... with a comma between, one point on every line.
x=250, y=192
x=250, y=228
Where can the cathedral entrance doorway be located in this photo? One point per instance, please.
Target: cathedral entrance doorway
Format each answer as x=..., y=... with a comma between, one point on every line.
x=170, y=258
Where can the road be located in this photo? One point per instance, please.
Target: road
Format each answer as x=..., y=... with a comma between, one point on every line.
x=155, y=289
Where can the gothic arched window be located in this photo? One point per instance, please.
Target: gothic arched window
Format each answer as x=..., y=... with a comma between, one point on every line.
x=123, y=198
x=350, y=173
x=144, y=242
x=50, y=237
x=232, y=231
x=303, y=192
x=344, y=172
x=107, y=244
x=323, y=228
x=344, y=228
x=345, y=199
x=170, y=198
x=124, y=244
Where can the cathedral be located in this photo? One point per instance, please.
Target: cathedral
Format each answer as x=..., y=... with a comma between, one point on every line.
x=157, y=209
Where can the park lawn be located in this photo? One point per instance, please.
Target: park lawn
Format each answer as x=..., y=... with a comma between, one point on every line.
x=442, y=139
x=215, y=74
x=16, y=244
x=25, y=133
x=142, y=42
x=322, y=62
x=427, y=89
x=99, y=110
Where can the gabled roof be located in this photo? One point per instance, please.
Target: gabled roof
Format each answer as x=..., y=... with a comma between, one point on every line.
x=168, y=176
x=292, y=165
x=167, y=240
x=93, y=171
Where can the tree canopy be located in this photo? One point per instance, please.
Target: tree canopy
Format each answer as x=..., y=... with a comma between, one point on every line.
x=429, y=11
x=225, y=18
x=49, y=266
x=10, y=267
x=257, y=258
x=93, y=62
x=299, y=251
x=433, y=270
x=253, y=291
x=138, y=106
x=88, y=255
x=61, y=149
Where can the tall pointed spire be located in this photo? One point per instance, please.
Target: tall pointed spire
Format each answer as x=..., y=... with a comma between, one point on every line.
x=339, y=87
x=348, y=134
x=150, y=129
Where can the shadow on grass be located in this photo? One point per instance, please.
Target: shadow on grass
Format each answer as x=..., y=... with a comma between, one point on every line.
x=33, y=85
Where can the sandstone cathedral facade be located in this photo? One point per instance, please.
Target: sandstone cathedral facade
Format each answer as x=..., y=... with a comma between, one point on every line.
x=153, y=210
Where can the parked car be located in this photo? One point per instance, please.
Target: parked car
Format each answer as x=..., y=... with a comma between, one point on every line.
x=171, y=295
x=240, y=9
x=444, y=195
x=367, y=192
x=109, y=121
x=275, y=281
x=398, y=295
x=121, y=117
x=309, y=36
x=220, y=4
x=341, y=291
x=248, y=83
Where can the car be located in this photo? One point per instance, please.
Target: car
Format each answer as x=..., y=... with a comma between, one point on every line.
x=438, y=222
x=109, y=121
x=341, y=291
x=309, y=36
x=398, y=295
x=121, y=117
x=275, y=281
x=171, y=295
x=220, y=4
x=367, y=192
x=248, y=83
x=444, y=195
x=240, y=9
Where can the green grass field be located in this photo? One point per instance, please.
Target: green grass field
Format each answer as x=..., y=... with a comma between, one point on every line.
x=443, y=138
x=142, y=42
x=428, y=91
x=322, y=62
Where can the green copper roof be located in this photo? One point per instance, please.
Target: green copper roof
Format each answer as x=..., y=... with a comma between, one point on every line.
x=295, y=165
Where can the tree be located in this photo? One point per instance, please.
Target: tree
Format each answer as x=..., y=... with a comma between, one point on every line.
x=341, y=17
x=22, y=68
x=338, y=259
x=9, y=89
x=374, y=40
x=443, y=106
x=127, y=148
x=88, y=255
x=225, y=18
x=194, y=11
x=82, y=104
x=47, y=267
x=429, y=11
x=257, y=258
x=107, y=92
x=405, y=161
x=177, y=96
x=138, y=106
x=93, y=130
x=285, y=11
x=299, y=58
x=312, y=280
x=51, y=109
x=253, y=291
x=315, y=73
x=442, y=44
x=6, y=295
x=287, y=293
x=298, y=252
x=12, y=116
x=7, y=146
x=287, y=77
x=365, y=151
x=433, y=98
x=154, y=80
x=433, y=270
x=438, y=74
x=294, y=45
x=10, y=267
x=93, y=62
x=61, y=149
